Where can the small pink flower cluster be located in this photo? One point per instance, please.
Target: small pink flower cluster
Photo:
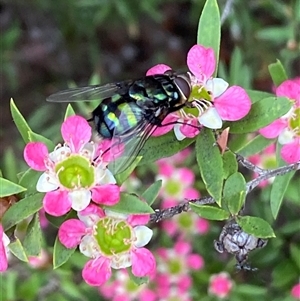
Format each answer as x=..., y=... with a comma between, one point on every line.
x=211, y=98
x=287, y=127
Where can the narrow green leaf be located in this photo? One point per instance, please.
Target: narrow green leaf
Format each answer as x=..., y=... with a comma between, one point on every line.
x=163, y=146
x=210, y=212
x=151, y=193
x=137, y=280
x=123, y=176
x=256, y=96
x=277, y=73
x=22, y=209
x=234, y=193
x=39, y=138
x=33, y=239
x=61, y=254
x=278, y=190
x=131, y=204
x=210, y=163
x=17, y=249
x=230, y=164
x=255, y=146
x=69, y=112
x=262, y=114
x=209, y=28
x=29, y=179
x=295, y=254
x=20, y=121
x=9, y=188
x=255, y=226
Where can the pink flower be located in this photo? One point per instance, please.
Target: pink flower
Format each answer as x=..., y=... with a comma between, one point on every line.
x=4, y=242
x=74, y=173
x=211, y=99
x=40, y=261
x=287, y=127
x=112, y=240
x=220, y=285
x=295, y=292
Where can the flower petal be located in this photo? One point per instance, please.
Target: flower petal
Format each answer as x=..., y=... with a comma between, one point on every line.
x=233, y=104
x=91, y=215
x=286, y=136
x=143, y=236
x=211, y=119
x=35, y=154
x=89, y=246
x=274, y=129
x=57, y=202
x=46, y=182
x=60, y=154
x=80, y=199
x=167, y=125
x=158, y=69
x=4, y=242
x=190, y=129
x=97, y=271
x=217, y=86
x=138, y=219
x=106, y=194
x=291, y=152
x=201, y=62
x=70, y=233
x=291, y=89
x=76, y=131
x=143, y=262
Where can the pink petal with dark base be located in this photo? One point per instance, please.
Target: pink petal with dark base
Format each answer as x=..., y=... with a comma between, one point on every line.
x=158, y=69
x=76, y=131
x=233, y=104
x=57, y=202
x=291, y=152
x=201, y=62
x=143, y=262
x=70, y=233
x=97, y=271
x=274, y=129
x=35, y=154
x=106, y=194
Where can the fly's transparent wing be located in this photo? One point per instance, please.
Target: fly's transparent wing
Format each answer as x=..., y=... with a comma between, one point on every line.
x=90, y=93
x=130, y=140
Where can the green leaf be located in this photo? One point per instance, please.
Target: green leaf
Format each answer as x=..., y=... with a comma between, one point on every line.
x=230, y=164
x=131, y=204
x=256, y=96
x=234, y=193
x=262, y=113
x=61, y=254
x=255, y=146
x=123, y=176
x=39, y=138
x=163, y=146
x=22, y=209
x=20, y=121
x=209, y=28
x=9, y=188
x=17, y=249
x=33, y=239
x=151, y=193
x=210, y=212
x=69, y=112
x=255, y=226
x=210, y=163
x=278, y=190
x=137, y=280
x=277, y=73
x=295, y=254
x=29, y=179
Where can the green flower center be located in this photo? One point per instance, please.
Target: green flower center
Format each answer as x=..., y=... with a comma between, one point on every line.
x=294, y=122
x=175, y=266
x=114, y=236
x=185, y=221
x=172, y=187
x=76, y=171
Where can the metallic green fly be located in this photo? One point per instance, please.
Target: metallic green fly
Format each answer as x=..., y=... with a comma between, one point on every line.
x=130, y=111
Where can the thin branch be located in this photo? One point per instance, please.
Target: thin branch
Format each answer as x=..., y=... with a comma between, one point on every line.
x=264, y=174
